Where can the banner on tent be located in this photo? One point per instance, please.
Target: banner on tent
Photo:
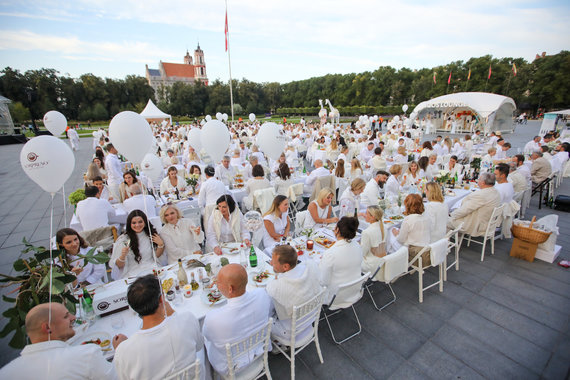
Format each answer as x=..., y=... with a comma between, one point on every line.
x=548, y=123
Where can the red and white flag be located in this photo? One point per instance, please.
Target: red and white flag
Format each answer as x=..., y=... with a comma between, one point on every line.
x=490, y=71
x=434, y=81
x=226, y=30
x=449, y=79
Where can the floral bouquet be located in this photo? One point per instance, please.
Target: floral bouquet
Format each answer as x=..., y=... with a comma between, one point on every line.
x=192, y=181
x=443, y=177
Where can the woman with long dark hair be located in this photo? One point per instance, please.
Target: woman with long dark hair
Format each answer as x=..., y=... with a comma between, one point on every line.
x=132, y=252
x=72, y=244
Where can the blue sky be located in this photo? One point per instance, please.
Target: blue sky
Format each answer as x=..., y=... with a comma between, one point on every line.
x=273, y=40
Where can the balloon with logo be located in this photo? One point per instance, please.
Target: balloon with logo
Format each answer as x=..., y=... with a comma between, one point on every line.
x=405, y=107
x=195, y=139
x=131, y=135
x=48, y=161
x=219, y=116
x=252, y=117
x=208, y=118
x=55, y=122
x=271, y=140
x=215, y=139
x=151, y=166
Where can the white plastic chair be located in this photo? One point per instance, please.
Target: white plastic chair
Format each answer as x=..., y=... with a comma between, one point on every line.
x=417, y=265
x=191, y=372
x=492, y=225
x=391, y=268
x=455, y=245
x=300, y=218
x=263, y=198
x=259, y=366
x=353, y=289
x=308, y=311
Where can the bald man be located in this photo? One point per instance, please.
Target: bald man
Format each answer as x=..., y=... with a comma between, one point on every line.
x=50, y=357
x=244, y=313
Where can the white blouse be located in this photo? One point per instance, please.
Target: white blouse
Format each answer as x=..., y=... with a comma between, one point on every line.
x=322, y=213
x=132, y=268
x=438, y=214
x=348, y=202
x=91, y=273
x=180, y=239
x=165, y=185
x=415, y=230
x=282, y=185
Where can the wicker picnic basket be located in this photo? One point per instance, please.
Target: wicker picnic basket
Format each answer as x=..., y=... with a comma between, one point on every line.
x=529, y=234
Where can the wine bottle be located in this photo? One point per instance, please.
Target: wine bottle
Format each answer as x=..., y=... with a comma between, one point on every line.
x=182, y=276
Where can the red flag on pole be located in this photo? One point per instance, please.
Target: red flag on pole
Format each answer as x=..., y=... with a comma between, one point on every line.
x=489, y=77
x=226, y=30
x=434, y=81
x=469, y=75
x=514, y=69
x=449, y=79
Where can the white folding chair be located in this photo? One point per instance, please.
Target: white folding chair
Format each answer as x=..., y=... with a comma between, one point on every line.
x=258, y=366
x=300, y=218
x=193, y=214
x=345, y=297
x=492, y=225
x=191, y=372
x=263, y=198
x=295, y=195
x=417, y=265
x=455, y=245
x=302, y=317
x=390, y=269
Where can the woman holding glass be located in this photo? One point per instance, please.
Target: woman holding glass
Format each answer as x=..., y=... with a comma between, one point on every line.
x=226, y=225
x=181, y=237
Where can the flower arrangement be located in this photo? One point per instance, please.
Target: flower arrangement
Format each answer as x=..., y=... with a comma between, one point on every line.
x=76, y=197
x=308, y=232
x=383, y=204
x=476, y=163
x=192, y=181
x=443, y=177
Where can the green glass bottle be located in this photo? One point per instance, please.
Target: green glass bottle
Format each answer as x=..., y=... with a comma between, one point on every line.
x=252, y=257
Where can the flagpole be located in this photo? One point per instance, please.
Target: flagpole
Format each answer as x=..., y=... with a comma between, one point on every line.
x=229, y=62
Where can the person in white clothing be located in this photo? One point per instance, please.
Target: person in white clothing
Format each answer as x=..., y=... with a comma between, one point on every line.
x=373, y=240
x=342, y=262
x=257, y=182
x=415, y=229
x=243, y=314
x=319, y=171
x=392, y=187
x=371, y=193
x=432, y=169
x=295, y=284
x=367, y=153
x=505, y=188
x=104, y=192
x=48, y=356
x=73, y=138
x=114, y=170
x=138, y=201
x=436, y=211
x=350, y=198
x=181, y=237
x=211, y=189
x=70, y=242
x=532, y=146
x=93, y=212
x=521, y=168
x=225, y=172
x=167, y=342
x=453, y=167
x=320, y=212
x=226, y=225
x=276, y=222
x=283, y=180
x=172, y=183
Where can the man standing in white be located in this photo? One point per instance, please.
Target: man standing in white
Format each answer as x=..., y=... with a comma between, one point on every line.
x=50, y=357
x=319, y=171
x=504, y=187
x=93, y=212
x=211, y=189
x=244, y=313
x=137, y=201
x=166, y=343
x=114, y=171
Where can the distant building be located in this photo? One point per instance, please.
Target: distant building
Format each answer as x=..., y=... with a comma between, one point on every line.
x=169, y=73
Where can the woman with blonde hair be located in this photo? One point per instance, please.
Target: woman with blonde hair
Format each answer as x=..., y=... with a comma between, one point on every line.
x=350, y=198
x=355, y=169
x=193, y=157
x=392, y=187
x=415, y=229
x=181, y=237
x=446, y=149
x=373, y=240
x=276, y=222
x=437, y=212
x=320, y=210
x=412, y=175
x=332, y=150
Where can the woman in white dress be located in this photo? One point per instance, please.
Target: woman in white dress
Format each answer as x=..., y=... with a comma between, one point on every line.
x=258, y=182
x=73, y=245
x=392, y=187
x=132, y=252
x=350, y=198
x=283, y=179
x=437, y=212
x=355, y=169
x=226, y=225
x=181, y=237
x=276, y=222
x=373, y=240
x=320, y=210
x=172, y=182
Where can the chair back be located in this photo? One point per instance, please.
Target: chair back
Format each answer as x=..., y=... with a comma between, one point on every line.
x=305, y=314
x=236, y=350
x=349, y=293
x=438, y=251
x=320, y=183
x=193, y=214
x=300, y=219
x=395, y=265
x=263, y=199
x=191, y=372
x=294, y=191
x=495, y=221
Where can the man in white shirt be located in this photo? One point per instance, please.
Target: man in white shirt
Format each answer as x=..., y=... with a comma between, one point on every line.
x=243, y=151
x=367, y=153
x=295, y=284
x=50, y=357
x=225, y=172
x=502, y=152
x=137, y=201
x=372, y=190
x=93, y=212
x=249, y=167
x=114, y=171
x=319, y=171
x=504, y=187
x=243, y=314
x=211, y=189
x=521, y=168
x=167, y=341
x=533, y=145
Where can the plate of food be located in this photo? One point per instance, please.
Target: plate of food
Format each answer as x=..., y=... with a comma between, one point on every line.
x=388, y=221
x=231, y=248
x=450, y=193
x=167, y=285
x=397, y=217
x=324, y=241
x=101, y=339
x=260, y=278
x=213, y=297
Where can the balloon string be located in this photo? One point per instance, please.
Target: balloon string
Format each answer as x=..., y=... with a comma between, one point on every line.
x=64, y=206
x=50, y=264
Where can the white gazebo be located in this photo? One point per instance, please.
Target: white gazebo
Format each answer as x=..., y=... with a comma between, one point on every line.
x=470, y=111
x=152, y=113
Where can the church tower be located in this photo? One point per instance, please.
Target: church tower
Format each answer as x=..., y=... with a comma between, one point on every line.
x=200, y=65
x=188, y=58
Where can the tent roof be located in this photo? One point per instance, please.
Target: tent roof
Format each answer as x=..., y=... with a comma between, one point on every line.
x=481, y=102
x=151, y=111
x=561, y=112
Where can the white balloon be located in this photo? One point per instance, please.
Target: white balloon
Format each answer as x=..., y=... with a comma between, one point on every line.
x=55, y=122
x=396, y=119
x=202, y=122
x=151, y=166
x=48, y=161
x=131, y=135
x=194, y=139
x=225, y=116
x=208, y=118
x=251, y=117
x=271, y=140
x=375, y=117
x=405, y=107
x=215, y=139
x=219, y=116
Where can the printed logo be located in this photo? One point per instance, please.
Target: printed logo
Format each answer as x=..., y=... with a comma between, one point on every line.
x=102, y=306
x=32, y=156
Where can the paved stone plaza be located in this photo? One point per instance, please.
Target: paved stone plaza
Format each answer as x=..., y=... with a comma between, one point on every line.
x=501, y=318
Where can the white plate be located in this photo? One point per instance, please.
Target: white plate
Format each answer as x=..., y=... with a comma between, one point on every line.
x=263, y=282
x=231, y=248
x=108, y=350
x=204, y=297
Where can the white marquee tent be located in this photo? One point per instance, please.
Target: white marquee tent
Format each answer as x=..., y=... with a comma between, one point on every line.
x=151, y=112
x=492, y=112
x=551, y=120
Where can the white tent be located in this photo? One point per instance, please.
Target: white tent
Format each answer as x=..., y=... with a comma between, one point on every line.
x=550, y=121
x=492, y=112
x=152, y=112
